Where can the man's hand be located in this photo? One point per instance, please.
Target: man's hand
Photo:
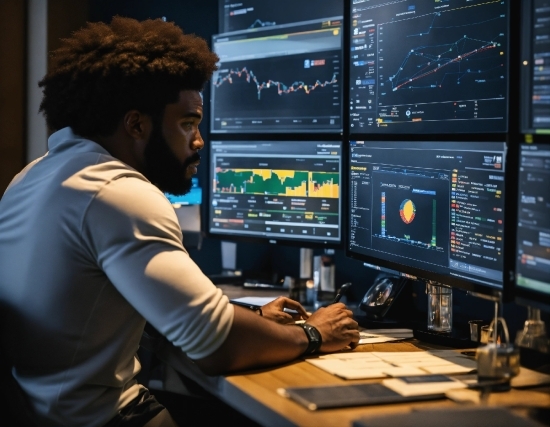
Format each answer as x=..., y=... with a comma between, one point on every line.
x=336, y=326
x=275, y=310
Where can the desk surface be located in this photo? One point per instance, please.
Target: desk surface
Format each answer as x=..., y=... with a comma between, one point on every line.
x=254, y=393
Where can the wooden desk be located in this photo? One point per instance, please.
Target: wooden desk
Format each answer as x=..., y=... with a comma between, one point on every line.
x=254, y=393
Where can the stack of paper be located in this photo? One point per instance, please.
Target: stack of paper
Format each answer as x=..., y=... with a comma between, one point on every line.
x=360, y=365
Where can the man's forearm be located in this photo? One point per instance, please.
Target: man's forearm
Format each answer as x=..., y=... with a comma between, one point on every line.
x=254, y=342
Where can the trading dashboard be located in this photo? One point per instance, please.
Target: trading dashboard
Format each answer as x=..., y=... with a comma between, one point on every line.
x=536, y=66
x=286, y=190
x=533, y=232
x=429, y=67
x=254, y=14
x=280, y=79
x=434, y=207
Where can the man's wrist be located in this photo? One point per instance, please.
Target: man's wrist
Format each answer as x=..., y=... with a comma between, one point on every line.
x=313, y=337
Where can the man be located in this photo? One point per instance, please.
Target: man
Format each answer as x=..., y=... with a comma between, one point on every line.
x=91, y=250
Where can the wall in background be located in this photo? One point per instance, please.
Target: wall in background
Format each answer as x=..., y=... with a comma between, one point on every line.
x=12, y=89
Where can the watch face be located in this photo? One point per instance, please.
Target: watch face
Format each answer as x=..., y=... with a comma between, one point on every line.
x=312, y=332
x=314, y=338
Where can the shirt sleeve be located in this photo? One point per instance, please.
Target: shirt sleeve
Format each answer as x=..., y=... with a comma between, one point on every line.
x=132, y=231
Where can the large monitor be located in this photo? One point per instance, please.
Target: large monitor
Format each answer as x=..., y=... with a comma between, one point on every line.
x=254, y=14
x=434, y=210
x=276, y=191
x=279, y=79
x=429, y=67
x=533, y=227
x=535, y=56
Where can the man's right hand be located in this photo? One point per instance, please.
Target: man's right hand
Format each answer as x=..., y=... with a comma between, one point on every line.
x=254, y=341
x=337, y=328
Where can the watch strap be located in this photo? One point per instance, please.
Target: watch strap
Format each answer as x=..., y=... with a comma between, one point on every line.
x=313, y=337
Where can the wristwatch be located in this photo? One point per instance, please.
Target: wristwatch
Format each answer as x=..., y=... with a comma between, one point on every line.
x=314, y=338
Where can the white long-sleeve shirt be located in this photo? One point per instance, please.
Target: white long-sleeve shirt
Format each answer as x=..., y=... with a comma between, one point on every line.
x=89, y=251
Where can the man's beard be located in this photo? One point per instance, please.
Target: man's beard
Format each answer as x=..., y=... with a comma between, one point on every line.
x=163, y=168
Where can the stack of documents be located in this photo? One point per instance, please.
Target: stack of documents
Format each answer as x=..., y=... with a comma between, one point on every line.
x=363, y=365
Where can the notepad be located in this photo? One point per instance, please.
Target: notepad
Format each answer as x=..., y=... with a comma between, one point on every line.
x=337, y=396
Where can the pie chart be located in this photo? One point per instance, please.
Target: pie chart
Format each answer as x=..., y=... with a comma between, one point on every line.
x=407, y=210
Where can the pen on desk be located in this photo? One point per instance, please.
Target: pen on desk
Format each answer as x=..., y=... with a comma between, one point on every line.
x=341, y=292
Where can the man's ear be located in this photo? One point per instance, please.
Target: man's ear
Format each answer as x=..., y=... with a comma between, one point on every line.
x=137, y=125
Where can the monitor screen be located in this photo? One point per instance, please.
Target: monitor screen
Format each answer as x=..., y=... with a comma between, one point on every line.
x=428, y=67
x=280, y=79
x=535, y=56
x=533, y=229
x=285, y=191
x=431, y=209
x=194, y=197
x=254, y=14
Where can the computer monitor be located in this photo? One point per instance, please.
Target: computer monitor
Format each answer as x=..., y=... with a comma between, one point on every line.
x=255, y=14
x=193, y=197
x=431, y=209
x=276, y=191
x=188, y=212
x=279, y=79
x=535, y=75
x=429, y=67
x=533, y=227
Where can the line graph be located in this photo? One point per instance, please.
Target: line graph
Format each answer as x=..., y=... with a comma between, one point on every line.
x=282, y=88
x=300, y=92
x=258, y=23
x=476, y=51
x=449, y=55
x=251, y=14
x=449, y=65
x=438, y=14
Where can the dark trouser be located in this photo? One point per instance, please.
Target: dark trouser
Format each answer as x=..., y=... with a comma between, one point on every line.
x=143, y=411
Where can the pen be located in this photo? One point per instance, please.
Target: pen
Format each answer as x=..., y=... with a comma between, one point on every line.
x=341, y=292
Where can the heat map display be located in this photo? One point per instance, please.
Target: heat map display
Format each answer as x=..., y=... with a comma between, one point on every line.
x=279, y=190
x=277, y=182
x=430, y=209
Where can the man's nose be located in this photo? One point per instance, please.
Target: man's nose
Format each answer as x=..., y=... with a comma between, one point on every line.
x=198, y=142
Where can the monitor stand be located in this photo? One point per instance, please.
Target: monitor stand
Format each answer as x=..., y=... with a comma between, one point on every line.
x=439, y=328
x=297, y=288
x=229, y=274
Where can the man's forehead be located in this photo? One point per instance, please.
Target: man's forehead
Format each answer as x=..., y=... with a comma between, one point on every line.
x=190, y=99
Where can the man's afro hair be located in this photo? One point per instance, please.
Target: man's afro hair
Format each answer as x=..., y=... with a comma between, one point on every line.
x=103, y=71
